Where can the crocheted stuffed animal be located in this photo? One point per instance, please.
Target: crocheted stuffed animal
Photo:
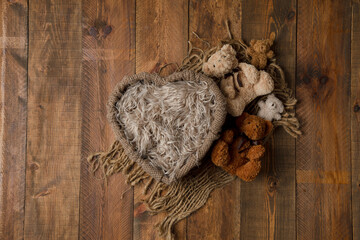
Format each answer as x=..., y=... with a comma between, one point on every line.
x=271, y=108
x=259, y=51
x=238, y=151
x=221, y=62
x=244, y=86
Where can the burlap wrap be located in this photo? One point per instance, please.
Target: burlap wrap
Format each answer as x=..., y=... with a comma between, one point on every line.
x=219, y=115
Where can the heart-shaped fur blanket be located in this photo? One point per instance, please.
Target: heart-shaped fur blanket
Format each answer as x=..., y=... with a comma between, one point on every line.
x=167, y=124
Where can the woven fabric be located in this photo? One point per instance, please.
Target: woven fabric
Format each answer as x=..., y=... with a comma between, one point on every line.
x=218, y=115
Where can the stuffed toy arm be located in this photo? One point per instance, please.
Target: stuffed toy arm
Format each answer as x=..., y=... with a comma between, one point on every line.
x=249, y=171
x=220, y=155
x=277, y=116
x=250, y=72
x=270, y=54
x=227, y=87
x=250, y=51
x=255, y=152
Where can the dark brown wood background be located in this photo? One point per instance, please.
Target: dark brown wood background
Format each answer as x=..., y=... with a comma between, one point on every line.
x=61, y=59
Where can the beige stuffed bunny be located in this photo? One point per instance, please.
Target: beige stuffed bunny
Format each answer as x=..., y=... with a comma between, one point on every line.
x=244, y=86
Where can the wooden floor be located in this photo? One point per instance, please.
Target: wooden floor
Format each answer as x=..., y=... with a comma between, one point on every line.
x=61, y=59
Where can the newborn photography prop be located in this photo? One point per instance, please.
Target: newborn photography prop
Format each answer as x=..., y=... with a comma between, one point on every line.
x=181, y=136
x=162, y=119
x=167, y=124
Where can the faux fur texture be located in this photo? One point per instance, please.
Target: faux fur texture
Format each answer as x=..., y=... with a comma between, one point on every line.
x=167, y=124
x=244, y=86
x=221, y=62
x=271, y=109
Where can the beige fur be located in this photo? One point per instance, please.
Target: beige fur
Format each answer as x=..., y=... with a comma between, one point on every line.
x=221, y=62
x=259, y=51
x=244, y=86
x=167, y=124
x=271, y=108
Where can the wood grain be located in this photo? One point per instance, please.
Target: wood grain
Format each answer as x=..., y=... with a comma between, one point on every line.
x=54, y=126
x=323, y=89
x=220, y=217
x=161, y=38
x=268, y=203
x=108, y=42
x=355, y=118
x=60, y=61
x=208, y=20
x=13, y=114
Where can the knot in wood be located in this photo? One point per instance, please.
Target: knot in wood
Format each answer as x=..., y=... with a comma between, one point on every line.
x=356, y=108
x=272, y=183
x=291, y=15
x=93, y=32
x=107, y=30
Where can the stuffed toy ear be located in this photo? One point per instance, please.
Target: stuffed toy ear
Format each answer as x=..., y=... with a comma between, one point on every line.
x=272, y=38
x=269, y=127
x=252, y=42
x=228, y=49
x=239, y=120
x=205, y=68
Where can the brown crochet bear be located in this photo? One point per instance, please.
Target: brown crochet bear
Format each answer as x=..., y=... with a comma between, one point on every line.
x=238, y=151
x=259, y=51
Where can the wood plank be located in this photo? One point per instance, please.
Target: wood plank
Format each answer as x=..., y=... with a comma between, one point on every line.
x=108, y=44
x=323, y=89
x=220, y=217
x=13, y=113
x=54, y=126
x=269, y=201
x=208, y=20
x=355, y=118
x=161, y=37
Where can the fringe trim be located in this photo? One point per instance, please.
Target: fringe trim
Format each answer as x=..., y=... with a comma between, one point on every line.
x=178, y=199
x=186, y=196
x=114, y=161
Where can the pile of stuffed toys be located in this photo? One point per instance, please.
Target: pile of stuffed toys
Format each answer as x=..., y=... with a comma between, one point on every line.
x=240, y=147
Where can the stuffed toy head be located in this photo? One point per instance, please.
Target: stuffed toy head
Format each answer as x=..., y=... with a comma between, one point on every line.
x=221, y=62
x=261, y=46
x=236, y=152
x=254, y=127
x=265, y=84
x=259, y=51
x=271, y=108
x=244, y=86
